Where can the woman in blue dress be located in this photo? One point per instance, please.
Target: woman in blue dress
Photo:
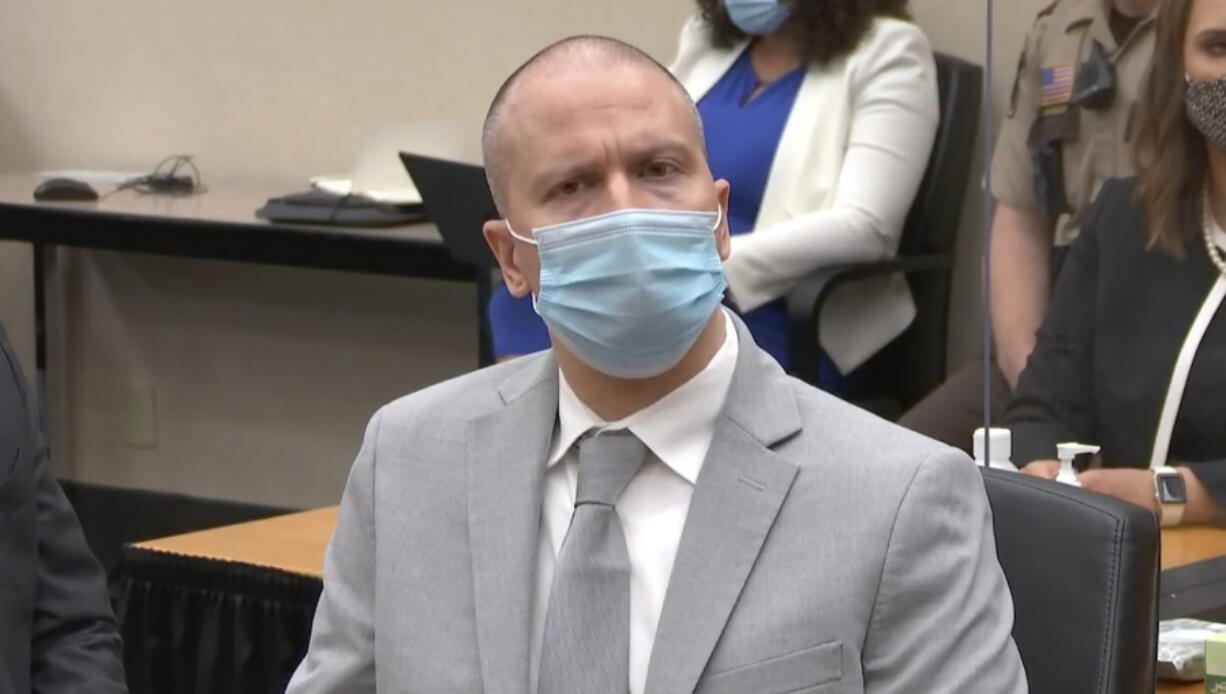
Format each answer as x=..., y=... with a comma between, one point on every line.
x=821, y=116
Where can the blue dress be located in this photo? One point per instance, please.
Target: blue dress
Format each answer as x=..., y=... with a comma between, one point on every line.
x=741, y=136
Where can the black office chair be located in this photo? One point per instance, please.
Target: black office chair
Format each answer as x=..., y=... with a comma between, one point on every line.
x=914, y=363
x=1083, y=569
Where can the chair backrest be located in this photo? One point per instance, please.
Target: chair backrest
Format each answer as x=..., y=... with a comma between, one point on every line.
x=914, y=364
x=932, y=221
x=1083, y=570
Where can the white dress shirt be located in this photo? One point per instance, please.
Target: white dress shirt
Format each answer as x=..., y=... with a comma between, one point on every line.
x=677, y=430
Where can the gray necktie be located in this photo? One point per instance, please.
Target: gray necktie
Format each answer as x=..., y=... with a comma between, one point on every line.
x=587, y=625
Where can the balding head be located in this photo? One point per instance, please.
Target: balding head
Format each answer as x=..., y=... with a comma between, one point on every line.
x=592, y=57
x=587, y=127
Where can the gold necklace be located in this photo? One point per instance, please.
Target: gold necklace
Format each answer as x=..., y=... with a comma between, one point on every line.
x=1215, y=253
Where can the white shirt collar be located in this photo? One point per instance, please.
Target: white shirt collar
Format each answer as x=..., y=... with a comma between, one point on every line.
x=677, y=428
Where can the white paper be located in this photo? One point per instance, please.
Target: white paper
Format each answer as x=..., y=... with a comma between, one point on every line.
x=343, y=185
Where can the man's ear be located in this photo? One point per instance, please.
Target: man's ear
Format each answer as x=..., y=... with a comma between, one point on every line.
x=502, y=245
x=723, y=237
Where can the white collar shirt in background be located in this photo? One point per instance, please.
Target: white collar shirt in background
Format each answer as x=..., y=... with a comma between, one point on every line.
x=677, y=430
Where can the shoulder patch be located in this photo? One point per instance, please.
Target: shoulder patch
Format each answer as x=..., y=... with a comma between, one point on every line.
x=1057, y=85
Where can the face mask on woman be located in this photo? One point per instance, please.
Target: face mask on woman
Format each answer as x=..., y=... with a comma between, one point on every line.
x=1206, y=106
x=758, y=17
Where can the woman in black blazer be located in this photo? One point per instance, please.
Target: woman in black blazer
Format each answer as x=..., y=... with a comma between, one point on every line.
x=1132, y=286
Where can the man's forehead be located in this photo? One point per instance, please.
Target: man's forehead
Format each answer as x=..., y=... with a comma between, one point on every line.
x=616, y=96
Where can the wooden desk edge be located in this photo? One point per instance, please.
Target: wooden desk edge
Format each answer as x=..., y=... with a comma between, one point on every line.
x=247, y=543
x=1180, y=547
x=221, y=558
x=1179, y=688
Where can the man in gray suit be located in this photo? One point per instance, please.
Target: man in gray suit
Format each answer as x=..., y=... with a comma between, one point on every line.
x=57, y=632
x=652, y=505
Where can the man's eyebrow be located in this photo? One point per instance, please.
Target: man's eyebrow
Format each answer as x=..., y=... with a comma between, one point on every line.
x=644, y=148
x=560, y=172
x=658, y=144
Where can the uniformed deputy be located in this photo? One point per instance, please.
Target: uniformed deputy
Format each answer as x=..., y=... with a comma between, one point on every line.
x=1064, y=134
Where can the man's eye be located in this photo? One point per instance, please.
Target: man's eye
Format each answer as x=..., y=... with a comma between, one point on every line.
x=566, y=188
x=660, y=169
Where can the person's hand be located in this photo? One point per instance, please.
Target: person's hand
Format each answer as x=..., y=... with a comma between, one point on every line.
x=1047, y=469
x=1131, y=485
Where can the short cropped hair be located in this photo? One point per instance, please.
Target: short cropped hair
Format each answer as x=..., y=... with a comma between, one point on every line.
x=599, y=49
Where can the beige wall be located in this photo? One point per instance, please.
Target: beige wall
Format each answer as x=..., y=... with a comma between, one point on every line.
x=957, y=27
x=264, y=376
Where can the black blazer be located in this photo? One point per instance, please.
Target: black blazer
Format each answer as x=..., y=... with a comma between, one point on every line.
x=57, y=631
x=1104, y=355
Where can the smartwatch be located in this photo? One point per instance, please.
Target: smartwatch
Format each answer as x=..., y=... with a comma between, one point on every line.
x=1171, y=494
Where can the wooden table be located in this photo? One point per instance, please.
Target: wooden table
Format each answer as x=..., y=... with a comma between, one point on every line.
x=222, y=610
x=1181, y=546
x=1180, y=688
x=295, y=543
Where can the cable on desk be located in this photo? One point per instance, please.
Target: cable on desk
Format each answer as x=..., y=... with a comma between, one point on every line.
x=174, y=175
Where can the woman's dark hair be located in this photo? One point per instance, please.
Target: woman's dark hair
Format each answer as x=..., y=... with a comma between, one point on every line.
x=826, y=29
x=1168, y=152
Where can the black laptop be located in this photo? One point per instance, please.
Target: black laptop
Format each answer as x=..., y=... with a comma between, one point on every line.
x=458, y=201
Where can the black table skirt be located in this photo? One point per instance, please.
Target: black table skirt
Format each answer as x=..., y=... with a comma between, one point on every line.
x=201, y=626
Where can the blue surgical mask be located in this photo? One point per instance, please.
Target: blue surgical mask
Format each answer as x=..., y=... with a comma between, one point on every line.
x=757, y=17
x=629, y=292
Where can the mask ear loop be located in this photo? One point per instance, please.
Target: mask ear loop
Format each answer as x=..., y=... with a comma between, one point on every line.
x=531, y=242
x=510, y=230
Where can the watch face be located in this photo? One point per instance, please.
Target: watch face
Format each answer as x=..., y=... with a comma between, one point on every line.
x=1171, y=489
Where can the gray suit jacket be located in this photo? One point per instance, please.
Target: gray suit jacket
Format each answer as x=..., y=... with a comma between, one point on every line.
x=825, y=550
x=57, y=632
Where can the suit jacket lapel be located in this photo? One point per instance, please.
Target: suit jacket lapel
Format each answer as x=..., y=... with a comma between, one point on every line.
x=739, y=492
x=506, y=471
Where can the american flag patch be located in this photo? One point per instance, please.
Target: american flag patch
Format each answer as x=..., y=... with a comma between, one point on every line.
x=1057, y=85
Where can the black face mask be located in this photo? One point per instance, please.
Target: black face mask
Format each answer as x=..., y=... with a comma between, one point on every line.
x=1206, y=106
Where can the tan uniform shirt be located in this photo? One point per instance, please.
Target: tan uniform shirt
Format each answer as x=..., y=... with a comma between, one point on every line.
x=1093, y=143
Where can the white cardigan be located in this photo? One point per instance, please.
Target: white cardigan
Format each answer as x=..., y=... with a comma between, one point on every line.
x=849, y=163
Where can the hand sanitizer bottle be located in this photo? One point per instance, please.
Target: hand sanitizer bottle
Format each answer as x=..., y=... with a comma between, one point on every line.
x=1066, y=452
x=1000, y=450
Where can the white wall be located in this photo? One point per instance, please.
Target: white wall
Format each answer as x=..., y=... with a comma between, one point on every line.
x=264, y=377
